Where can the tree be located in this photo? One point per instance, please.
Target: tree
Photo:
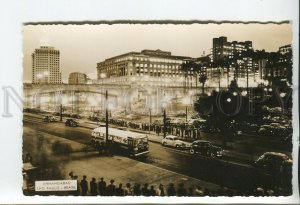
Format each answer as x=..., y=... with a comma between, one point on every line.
x=202, y=79
x=186, y=67
x=201, y=70
x=196, y=68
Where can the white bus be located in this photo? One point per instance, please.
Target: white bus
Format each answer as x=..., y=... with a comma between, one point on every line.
x=134, y=144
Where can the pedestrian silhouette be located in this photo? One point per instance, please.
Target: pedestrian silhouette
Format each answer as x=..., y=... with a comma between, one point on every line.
x=120, y=191
x=111, y=188
x=84, y=186
x=171, y=190
x=101, y=187
x=93, y=187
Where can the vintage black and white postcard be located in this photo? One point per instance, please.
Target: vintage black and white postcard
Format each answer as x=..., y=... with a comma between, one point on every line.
x=158, y=109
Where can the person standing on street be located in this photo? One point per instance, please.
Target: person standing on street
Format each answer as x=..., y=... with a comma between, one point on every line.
x=171, y=190
x=93, y=187
x=160, y=191
x=84, y=186
x=102, y=187
x=111, y=188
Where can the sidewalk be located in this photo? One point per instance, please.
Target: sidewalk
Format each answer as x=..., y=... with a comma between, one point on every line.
x=125, y=170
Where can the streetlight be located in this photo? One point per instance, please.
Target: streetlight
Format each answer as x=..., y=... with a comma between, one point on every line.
x=282, y=95
x=106, y=124
x=186, y=102
x=39, y=76
x=150, y=119
x=46, y=73
x=164, y=116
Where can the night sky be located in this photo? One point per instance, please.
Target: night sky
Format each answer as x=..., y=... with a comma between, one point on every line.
x=82, y=46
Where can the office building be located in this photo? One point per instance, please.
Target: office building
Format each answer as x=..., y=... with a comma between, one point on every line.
x=152, y=67
x=78, y=78
x=45, y=66
x=223, y=49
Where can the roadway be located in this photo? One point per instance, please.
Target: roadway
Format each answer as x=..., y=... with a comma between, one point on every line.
x=225, y=171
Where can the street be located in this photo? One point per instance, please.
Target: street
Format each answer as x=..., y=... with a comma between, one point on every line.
x=224, y=171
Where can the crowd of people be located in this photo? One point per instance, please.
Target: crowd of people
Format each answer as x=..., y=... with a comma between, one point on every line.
x=179, y=129
x=110, y=188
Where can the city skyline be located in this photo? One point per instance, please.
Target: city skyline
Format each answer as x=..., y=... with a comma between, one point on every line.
x=100, y=42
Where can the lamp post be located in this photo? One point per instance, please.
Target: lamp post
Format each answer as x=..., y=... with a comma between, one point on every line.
x=164, y=117
x=219, y=75
x=165, y=123
x=150, y=120
x=247, y=80
x=107, y=144
x=106, y=118
x=186, y=102
x=186, y=113
x=60, y=112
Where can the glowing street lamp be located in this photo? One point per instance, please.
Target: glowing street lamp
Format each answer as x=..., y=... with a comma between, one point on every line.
x=244, y=93
x=282, y=95
x=46, y=74
x=102, y=75
x=39, y=76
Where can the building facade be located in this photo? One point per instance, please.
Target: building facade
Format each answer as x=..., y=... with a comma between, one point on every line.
x=45, y=66
x=223, y=49
x=285, y=49
x=153, y=67
x=77, y=78
x=239, y=63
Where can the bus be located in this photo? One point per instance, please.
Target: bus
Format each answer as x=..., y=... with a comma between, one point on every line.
x=132, y=143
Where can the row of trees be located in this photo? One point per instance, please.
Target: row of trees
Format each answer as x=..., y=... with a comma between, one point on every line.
x=274, y=61
x=198, y=69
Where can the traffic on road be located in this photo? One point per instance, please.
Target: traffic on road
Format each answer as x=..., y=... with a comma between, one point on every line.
x=200, y=158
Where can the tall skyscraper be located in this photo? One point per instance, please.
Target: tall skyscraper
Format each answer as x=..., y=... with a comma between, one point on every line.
x=45, y=66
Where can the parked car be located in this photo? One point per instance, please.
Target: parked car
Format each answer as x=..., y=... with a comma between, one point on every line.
x=56, y=113
x=94, y=118
x=173, y=141
x=66, y=114
x=50, y=118
x=177, y=120
x=77, y=116
x=133, y=117
x=205, y=148
x=272, y=162
x=71, y=123
x=196, y=122
x=180, y=114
